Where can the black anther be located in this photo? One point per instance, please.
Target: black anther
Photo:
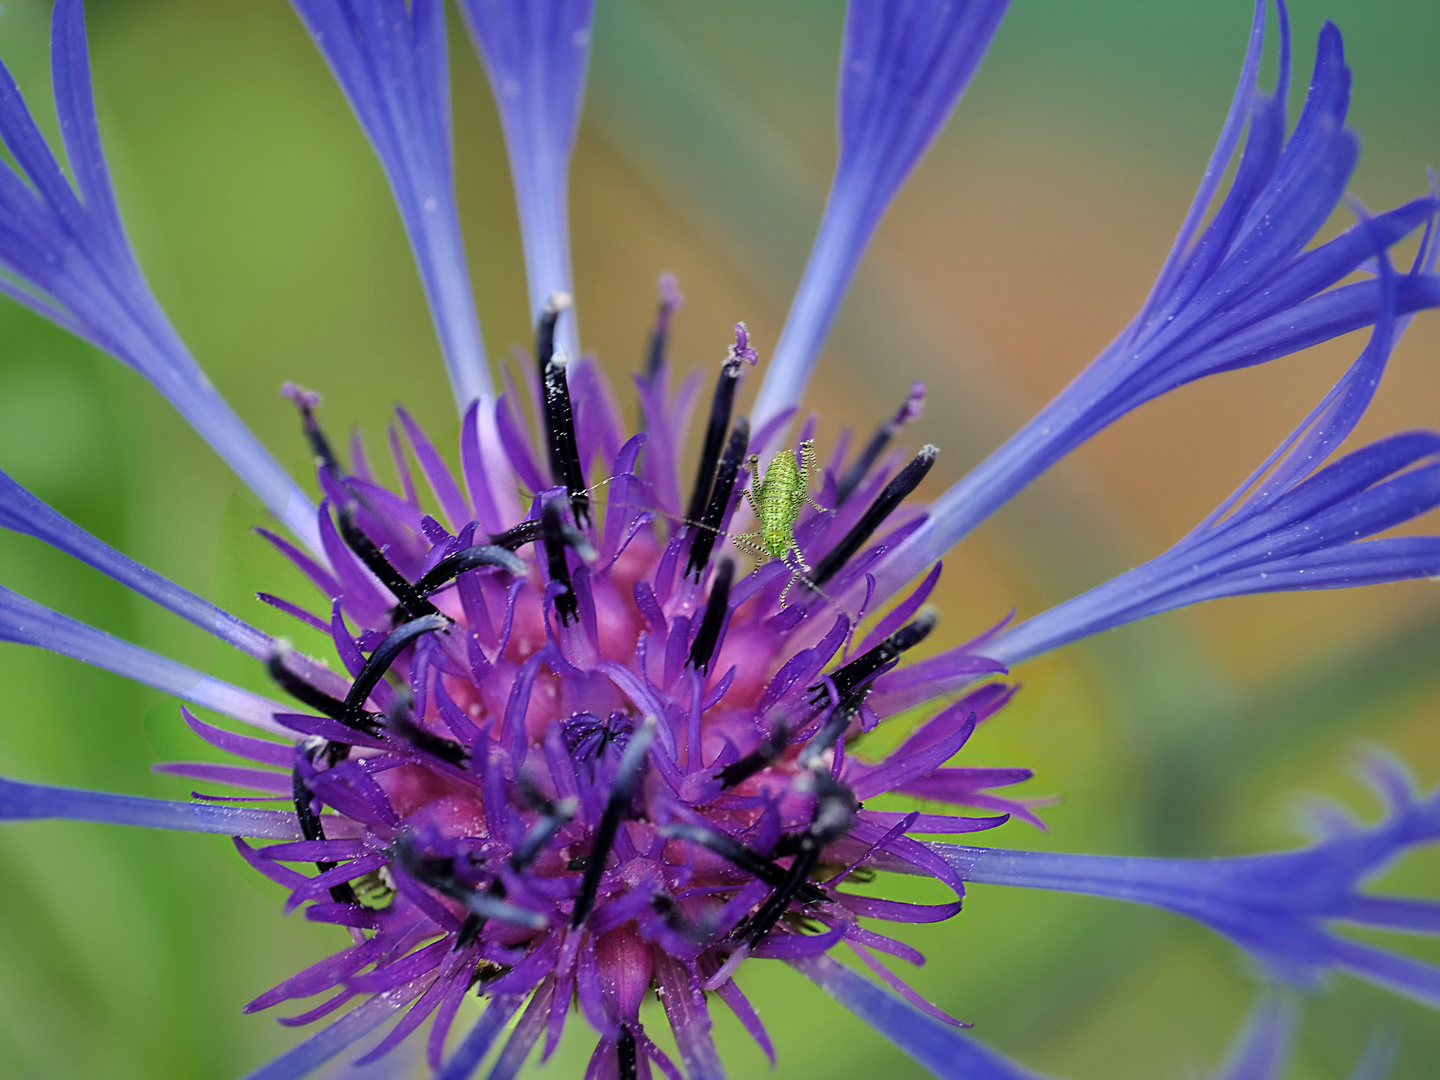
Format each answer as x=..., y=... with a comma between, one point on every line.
x=670, y=301
x=702, y=649
x=385, y=654
x=867, y=665
x=553, y=534
x=301, y=690
x=314, y=435
x=365, y=550
x=545, y=329
x=720, y=408
x=839, y=720
x=559, y=415
x=626, y=1056
x=731, y=850
x=709, y=530
x=901, y=485
x=517, y=536
x=311, y=829
x=453, y=565
x=397, y=719
x=549, y=823
x=832, y=817
x=910, y=410
x=439, y=874
x=757, y=759
x=623, y=787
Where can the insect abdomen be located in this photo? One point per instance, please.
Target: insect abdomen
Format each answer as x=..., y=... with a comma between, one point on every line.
x=783, y=492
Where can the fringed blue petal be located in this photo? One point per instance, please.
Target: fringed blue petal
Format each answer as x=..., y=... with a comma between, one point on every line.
x=938, y=1047
x=1287, y=527
x=28, y=623
x=24, y=513
x=1378, y=1059
x=389, y=58
x=1262, y=1048
x=1239, y=292
x=1277, y=907
x=536, y=55
x=903, y=66
x=66, y=256
x=30, y=802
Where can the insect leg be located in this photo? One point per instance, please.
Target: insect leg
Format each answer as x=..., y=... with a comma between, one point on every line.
x=794, y=577
x=755, y=483
x=809, y=466
x=746, y=543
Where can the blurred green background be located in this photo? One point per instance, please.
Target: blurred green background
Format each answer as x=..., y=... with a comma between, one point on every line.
x=1025, y=240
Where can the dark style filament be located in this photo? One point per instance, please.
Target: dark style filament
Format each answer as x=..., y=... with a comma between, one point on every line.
x=439, y=874
x=365, y=550
x=839, y=720
x=312, y=830
x=670, y=301
x=516, y=537
x=397, y=719
x=876, y=446
x=720, y=408
x=314, y=435
x=616, y=806
x=757, y=759
x=901, y=485
x=746, y=858
x=384, y=655
x=553, y=533
x=832, y=817
x=310, y=696
x=709, y=530
x=559, y=415
x=551, y=821
x=452, y=566
x=626, y=1056
x=866, y=666
x=702, y=650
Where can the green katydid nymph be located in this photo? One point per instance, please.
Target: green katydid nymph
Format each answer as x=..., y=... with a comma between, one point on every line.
x=777, y=498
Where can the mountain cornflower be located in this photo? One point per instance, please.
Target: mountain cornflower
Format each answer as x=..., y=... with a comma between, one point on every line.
x=583, y=750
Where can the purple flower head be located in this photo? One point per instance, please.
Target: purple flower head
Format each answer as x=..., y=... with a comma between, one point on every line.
x=584, y=759
x=580, y=748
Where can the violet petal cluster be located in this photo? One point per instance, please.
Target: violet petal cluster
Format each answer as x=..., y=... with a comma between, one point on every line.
x=579, y=751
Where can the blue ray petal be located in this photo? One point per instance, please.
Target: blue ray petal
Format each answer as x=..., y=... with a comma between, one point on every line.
x=1378, y=1059
x=28, y=623
x=1242, y=291
x=24, y=513
x=1262, y=1048
x=903, y=66
x=29, y=802
x=1287, y=527
x=67, y=257
x=938, y=1047
x=389, y=58
x=536, y=55
x=1277, y=907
